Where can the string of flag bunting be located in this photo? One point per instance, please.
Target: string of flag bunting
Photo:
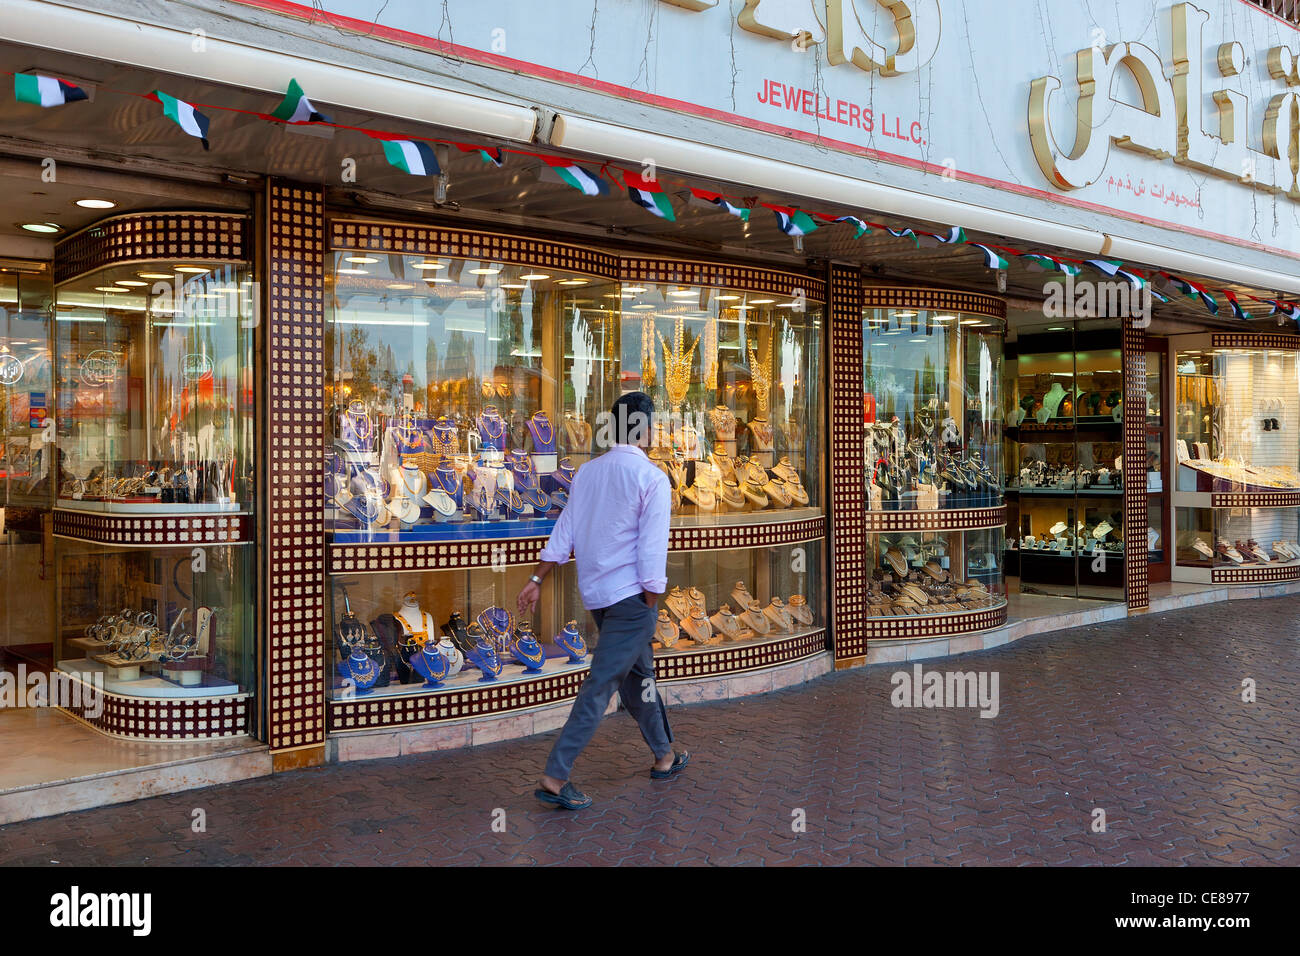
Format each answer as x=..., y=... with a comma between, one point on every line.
x=417, y=156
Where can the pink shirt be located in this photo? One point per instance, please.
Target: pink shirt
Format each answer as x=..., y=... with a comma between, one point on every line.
x=616, y=526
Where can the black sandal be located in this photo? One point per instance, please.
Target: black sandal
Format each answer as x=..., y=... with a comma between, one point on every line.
x=569, y=797
x=679, y=764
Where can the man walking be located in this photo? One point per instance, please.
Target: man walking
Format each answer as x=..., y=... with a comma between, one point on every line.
x=616, y=526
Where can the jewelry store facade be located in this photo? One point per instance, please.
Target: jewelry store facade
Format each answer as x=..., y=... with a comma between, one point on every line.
x=290, y=424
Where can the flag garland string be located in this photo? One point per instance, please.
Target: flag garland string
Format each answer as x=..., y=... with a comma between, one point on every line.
x=411, y=153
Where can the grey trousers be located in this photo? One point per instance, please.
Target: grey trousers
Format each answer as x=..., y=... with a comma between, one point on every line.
x=622, y=661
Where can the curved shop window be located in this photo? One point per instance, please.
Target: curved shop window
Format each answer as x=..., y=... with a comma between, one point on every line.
x=155, y=316
x=469, y=379
x=932, y=432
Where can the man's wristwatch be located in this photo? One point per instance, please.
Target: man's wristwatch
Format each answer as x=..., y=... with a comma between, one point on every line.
x=535, y=579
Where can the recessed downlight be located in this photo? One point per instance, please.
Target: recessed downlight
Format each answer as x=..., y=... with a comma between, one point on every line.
x=362, y=260
x=352, y=272
x=572, y=282
x=155, y=275
x=427, y=265
x=400, y=286
x=130, y=282
x=96, y=203
x=485, y=271
x=761, y=301
x=534, y=276
x=682, y=294
x=193, y=270
x=41, y=227
x=728, y=298
x=109, y=288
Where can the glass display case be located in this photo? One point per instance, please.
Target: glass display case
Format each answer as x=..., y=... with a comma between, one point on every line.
x=1236, y=437
x=932, y=383
x=933, y=422
x=469, y=377
x=1065, y=464
x=154, y=384
x=1236, y=425
x=156, y=622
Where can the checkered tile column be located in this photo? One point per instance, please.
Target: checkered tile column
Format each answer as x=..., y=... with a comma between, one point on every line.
x=847, y=465
x=295, y=545
x=1136, y=576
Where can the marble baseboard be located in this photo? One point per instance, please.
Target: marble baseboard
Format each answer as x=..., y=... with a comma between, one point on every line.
x=124, y=786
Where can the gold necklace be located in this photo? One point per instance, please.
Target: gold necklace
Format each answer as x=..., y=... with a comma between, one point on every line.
x=711, y=353
x=401, y=473
x=677, y=366
x=649, y=371
x=761, y=374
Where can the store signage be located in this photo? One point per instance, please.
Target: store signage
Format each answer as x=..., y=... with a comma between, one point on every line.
x=11, y=370
x=1167, y=119
x=196, y=366
x=99, y=368
x=1172, y=113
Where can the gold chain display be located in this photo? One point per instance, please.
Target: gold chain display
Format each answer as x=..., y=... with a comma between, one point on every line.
x=677, y=367
x=608, y=326
x=711, y=352
x=761, y=373
x=649, y=370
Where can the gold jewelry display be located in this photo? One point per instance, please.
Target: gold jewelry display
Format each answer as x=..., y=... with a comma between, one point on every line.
x=753, y=490
x=698, y=626
x=894, y=558
x=725, y=623
x=761, y=374
x=666, y=631
x=679, y=603
x=696, y=597
x=649, y=370
x=732, y=496
x=753, y=616
x=796, y=490
x=724, y=423
x=711, y=353
x=776, y=613
x=797, y=607
x=677, y=366
x=776, y=492
x=608, y=325
x=741, y=596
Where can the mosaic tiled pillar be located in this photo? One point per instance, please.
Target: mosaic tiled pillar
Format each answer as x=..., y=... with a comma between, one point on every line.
x=295, y=541
x=847, y=466
x=1136, y=577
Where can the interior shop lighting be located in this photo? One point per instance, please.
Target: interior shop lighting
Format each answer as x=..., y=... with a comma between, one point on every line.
x=399, y=286
x=42, y=227
x=535, y=277
x=634, y=289
x=96, y=203
x=918, y=339
x=108, y=288
x=1058, y=328
x=363, y=260
x=130, y=283
x=572, y=281
x=81, y=318
x=155, y=275
x=352, y=272
x=439, y=280
x=512, y=285
x=972, y=322
x=682, y=294
x=485, y=271
x=761, y=301
x=191, y=270
x=401, y=323
x=428, y=266
x=728, y=298
x=643, y=307
x=943, y=319
x=180, y=325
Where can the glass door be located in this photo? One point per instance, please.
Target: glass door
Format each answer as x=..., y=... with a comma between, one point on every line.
x=1158, y=479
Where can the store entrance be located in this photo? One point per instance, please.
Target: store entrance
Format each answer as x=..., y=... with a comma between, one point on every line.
x=26, y=465
x=1064, y=448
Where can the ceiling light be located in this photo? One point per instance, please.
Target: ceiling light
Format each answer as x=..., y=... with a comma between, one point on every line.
x=570, y=281
x=970, y=322
x=96, y=203
x=428, y=265
x=130, y=282
x=40, y=226
x=155, y=275
x=761, y=301
x=916, y=340
x=512, y=285
x=634, y=289
x=353, y=272
x=643, y=307
x=532, y=276
x=365, y=260
x=905, y=315
x=485, y=271
x=1055, y=328
x=942, y=318
x=108, y=288
x=728, y=298
x=683, y=293
x=431, y=279
x=399, y=285
x=196, y=270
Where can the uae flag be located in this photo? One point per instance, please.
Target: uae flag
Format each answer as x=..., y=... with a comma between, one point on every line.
x=1290, y=309
x=793, y=222
x=1237, y=310
x=493, y=155
x=716, y=199
x=1193, y=291
x=45, y=90
x=860, y=227
x=991, y=258
x=1050, y=263
x=583, y=180
x=183, y=115
x=931, y=239
x=649, y=195
x=411, y=157
x=903, y=234
x=296, y=108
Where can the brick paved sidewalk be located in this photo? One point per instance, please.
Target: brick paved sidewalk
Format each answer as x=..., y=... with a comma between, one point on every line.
x=1142, y=718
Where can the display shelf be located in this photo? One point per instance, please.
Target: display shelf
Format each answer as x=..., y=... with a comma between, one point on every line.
x=944, y=519
x=1070, y=492
x=731, y=657
x=470, y=677
x=147, y=685
x=153, y=530
x=913, y=626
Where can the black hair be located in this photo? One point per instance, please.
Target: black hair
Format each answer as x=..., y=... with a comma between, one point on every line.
x=633, y=413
